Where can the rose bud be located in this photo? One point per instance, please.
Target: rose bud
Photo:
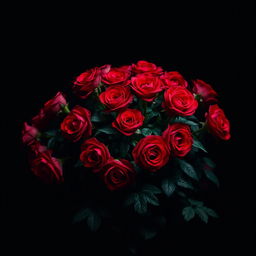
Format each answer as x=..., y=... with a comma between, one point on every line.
x=146, y=86
x=117, y=174
x=151, y=153
x=143, y=66
x=179, y=137
x=94, y=154
x=128, y=121
x=179, y=101
x=47, y=168
x=205, y=91
x=173, y=78
x=54, y=105
x=88, y=81
x=217, y=123
x=29, y=134
x=77, y=124
x=116, y=97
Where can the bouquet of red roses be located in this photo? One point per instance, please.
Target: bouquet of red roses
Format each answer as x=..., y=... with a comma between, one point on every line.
x=125, y=141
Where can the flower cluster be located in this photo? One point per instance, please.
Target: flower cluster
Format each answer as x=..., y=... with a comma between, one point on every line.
x=124, y=123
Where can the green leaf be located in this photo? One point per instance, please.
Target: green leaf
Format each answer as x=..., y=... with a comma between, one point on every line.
x=188, y=213
x=92, y=218
x=156, y=131
x=81, y=215
x=184, y=184
x=96, y=118
x=150, y=198
x=183, y=120
x=131, y=199
x=150, y=114
x=146, y=131
x=195, y=202
x=209, y=162
x=78, y=164
x=51, y=142
x=51, y=133
x=147, y=233
x=168, y=187
x=107, y=130
x=188, y=169
x=198, y=144
x=140, y=205
x=212, y=177
x=151, y=189
x=202, y=214
x=94, y=221
x=210, y=212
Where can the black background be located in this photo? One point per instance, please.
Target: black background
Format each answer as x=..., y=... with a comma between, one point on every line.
x=47, y=46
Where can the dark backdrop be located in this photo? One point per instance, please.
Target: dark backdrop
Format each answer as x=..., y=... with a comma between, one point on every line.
x=48, y=46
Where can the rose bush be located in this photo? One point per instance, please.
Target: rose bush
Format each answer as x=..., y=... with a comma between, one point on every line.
x=128, y=139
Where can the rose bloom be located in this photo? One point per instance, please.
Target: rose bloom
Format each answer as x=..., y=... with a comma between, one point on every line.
x=151, y=153
x=117, y=174
x=86, y=82
x=47, y=168
x=94, y=154
x=205, y=91
x=49, y=111
x=116, y=97
x=41, y=120
x=146, y=86
x=143, y=66
x=77, y=124
x=179, y=101
x=29, y=134
x=179, y=137
x=53, y=106
x=117, y=76
x=128, y=121
x=217, y=123
x=173, y=78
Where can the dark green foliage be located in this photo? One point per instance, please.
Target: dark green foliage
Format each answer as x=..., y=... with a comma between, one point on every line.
x=188, y=169
x=92, y=217
x=143, y=197
x=198, y=144
x=146, y=131
x=188, y=213
x=212, y=177
x=168, y=186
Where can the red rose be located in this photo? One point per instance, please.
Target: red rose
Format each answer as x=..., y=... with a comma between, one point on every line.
x=217, y=122
x=94, y=154
x=205, y=91
x=41, y=120
x=151, y=153
x=86, y=82
x=116, y=97
x=143, y=66
x=117, y=174
x=53, y=106
x=29, y=134
x=47, y=168
x=77, y=124
x=37, y=148
x=179, y=101
x=178, y=136
x=146, y=86
x=117, y=76
x=128, y=121
x=173, y=79
x=49, y=111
